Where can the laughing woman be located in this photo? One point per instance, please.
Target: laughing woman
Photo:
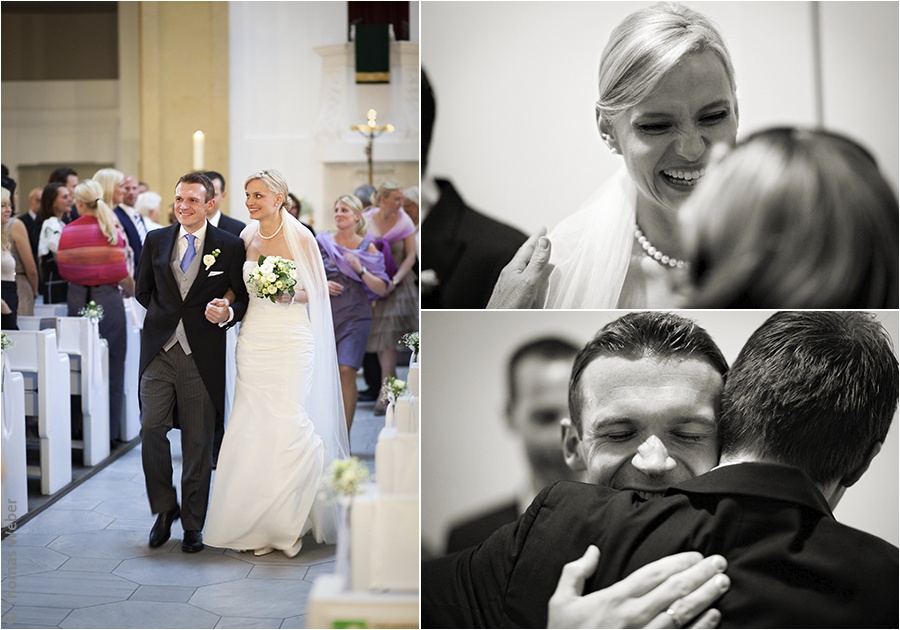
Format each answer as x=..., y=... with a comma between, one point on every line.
x=667, y=95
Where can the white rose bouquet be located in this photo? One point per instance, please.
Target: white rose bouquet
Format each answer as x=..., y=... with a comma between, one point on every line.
x=273, y=276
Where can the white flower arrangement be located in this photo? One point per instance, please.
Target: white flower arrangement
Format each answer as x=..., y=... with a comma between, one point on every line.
x=273, y=276
x=210, y=259
x=411, y=341
x=5, y=342
x=92, y=311
x=393, y=388
x=346, y=477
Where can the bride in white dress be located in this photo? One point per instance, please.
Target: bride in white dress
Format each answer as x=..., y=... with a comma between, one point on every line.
x=287, y=421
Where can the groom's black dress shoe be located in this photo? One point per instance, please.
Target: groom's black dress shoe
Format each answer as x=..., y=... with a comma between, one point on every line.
x=162, y=529
x=192, y=542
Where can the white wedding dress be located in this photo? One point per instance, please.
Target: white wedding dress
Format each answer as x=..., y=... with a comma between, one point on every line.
x=270, y=466
x=287, y=422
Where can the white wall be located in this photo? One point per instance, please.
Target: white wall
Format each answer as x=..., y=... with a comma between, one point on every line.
x=470, y=460
x=515, y=84
x=275, y=87
x=277, y=111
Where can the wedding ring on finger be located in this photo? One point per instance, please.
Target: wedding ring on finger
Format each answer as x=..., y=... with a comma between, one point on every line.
x=676, y=622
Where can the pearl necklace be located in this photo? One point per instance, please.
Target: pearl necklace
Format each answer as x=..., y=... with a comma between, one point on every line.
x=274, y=234
x=655, y=254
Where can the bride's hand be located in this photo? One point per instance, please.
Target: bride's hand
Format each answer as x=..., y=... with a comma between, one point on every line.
x=685, y=584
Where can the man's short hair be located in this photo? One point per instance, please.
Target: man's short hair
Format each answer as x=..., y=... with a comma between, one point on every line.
x=213, y=175
x=199, y=178
x=546, y=348
x=812, y=389
x=646, y=334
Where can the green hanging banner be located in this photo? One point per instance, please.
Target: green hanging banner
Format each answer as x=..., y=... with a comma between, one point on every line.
x=373, y=57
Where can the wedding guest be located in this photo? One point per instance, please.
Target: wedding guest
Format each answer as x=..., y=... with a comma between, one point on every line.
x=297, y=211
x=148, y=203
x=793, y=217
x=130, y=220
x=8, y=279
x=55, y=202
x=215, y=214
x=398, y=312
x=411, y=203
x=462, y=250
x=68, y=177
x=25, y=265
x=92, y=258
x=31, y=218
x=356, y=277
x=537, y=376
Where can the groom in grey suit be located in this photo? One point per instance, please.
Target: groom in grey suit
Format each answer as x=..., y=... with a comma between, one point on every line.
x=184, y=271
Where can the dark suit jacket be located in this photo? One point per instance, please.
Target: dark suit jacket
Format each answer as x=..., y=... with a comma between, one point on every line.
x=230, y=225
x=475, y=530
x=466, y=250
x=157, y=290
x=131, y=233
x=33, y=226
x=790, y=563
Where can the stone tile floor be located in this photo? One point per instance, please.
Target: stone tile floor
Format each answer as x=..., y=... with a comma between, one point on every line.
x=84, y=562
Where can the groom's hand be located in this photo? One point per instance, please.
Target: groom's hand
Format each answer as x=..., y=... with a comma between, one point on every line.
x=217, y=311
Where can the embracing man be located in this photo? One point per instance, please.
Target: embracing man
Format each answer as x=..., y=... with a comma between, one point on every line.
x=184, y=270
x=805, y=408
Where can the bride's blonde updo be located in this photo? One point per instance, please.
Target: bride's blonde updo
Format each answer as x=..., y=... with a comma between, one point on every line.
x=275, y=182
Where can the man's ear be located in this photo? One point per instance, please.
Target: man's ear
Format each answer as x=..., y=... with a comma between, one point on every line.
x=607, y=134
x=572, y=446
x=854, y=476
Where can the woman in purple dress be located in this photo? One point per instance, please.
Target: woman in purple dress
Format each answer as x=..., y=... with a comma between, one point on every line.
x=356, y=277
x=397, y=313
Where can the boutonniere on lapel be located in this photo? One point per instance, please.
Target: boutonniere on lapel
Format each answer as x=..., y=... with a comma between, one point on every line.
x=210, y=259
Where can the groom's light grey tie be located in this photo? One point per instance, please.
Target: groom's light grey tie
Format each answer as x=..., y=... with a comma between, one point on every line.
x=189, y=253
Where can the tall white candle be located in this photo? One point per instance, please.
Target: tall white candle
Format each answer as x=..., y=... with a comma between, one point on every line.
x=198, y=150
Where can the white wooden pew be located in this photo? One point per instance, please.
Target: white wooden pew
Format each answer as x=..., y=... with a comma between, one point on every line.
x=89, y=377
x=131, y=419
x=46, y=374
x=15, y=466
x=51, y=310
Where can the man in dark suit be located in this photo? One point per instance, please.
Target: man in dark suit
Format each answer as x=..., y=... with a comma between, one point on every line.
x=186, y=269
x=537, y=377
x=31, y=217
x=215, y=215
x=130, y=219
x=805, y=408
x=463, y=251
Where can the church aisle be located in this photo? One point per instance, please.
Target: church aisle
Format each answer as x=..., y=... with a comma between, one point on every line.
x=84, y=562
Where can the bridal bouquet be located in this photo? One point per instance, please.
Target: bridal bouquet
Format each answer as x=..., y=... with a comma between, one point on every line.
x=92, y=311
x=273, y=276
